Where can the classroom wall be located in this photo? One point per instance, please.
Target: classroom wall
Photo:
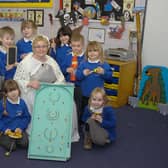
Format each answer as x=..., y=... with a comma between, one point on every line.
x=155, y=43
x=51, y=31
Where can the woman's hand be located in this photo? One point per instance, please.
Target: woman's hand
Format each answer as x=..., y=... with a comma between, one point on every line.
x=34, y=84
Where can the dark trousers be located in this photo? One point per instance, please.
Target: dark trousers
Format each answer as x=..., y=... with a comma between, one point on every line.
x=6, y=141
x=84, y=102
x=78, y=101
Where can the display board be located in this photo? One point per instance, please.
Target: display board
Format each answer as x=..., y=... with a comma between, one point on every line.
x=112, y=8
x=50, y=137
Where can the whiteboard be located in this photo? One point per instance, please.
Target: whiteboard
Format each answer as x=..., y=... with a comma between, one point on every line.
x=155, y=42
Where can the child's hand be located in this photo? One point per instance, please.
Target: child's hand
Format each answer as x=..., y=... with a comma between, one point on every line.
x=18, y=130
x=52, y=44
x=87, y=72
x=7, y=131
x=93, y=116
x=70, y=70
x=34, y=84
x=9, y=67
x=99, y=70
x=98, y=118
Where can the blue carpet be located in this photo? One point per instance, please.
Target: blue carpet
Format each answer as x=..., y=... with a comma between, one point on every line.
x=142, y=143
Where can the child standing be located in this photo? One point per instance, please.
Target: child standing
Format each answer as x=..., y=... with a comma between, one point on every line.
x=92, y=72
x=62, y=47
x=24, y=45
x=72, y=61
x=99, y=119
x=7, y=36
x=14, y=117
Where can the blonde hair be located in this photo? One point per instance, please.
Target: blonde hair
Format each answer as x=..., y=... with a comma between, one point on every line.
x=40, y=38
x=102, y=92
x=29, y=23
x=94, y=45
x=6, y=30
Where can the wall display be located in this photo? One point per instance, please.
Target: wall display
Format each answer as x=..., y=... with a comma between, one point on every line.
x=26, y=3
x=36, y=15
x=96, y=34
x=12, y=15
x=94, y=9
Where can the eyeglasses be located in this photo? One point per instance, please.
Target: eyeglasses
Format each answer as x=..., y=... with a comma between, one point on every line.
x=43, y=46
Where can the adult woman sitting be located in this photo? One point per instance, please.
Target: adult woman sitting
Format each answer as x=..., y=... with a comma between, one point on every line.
x=38, y=67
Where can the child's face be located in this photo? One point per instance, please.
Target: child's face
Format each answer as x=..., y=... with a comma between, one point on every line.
x=64, y=39
x=13, y=95
x=93, y=54
x=77, y=47
x=97, y=101
x=28, y=32
x=7, y=40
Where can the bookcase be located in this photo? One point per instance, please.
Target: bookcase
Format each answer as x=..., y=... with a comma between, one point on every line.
x=122, y=84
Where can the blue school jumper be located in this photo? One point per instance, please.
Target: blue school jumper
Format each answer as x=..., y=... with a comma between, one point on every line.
x=61, y=53
x=3, y=72
x=88, y=83
x=67, y=63
x=108, y=123
x=23, y=47
x=18, y=115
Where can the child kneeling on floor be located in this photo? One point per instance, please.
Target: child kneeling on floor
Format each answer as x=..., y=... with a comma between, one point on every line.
x=99, y=119
x=14, y=118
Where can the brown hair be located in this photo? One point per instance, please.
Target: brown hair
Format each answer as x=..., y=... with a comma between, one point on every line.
x=102, y=92
x=29, y=23
x=78, y=37
x=9, y=85
x=63, y=31
x=6, y=30
x=94, y=45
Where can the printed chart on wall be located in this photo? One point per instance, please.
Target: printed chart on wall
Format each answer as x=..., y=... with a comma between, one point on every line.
x=95, y=9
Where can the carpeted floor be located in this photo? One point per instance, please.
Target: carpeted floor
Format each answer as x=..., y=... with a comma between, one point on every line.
x=142, y=143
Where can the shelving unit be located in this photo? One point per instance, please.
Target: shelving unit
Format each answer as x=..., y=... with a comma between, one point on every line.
x=122, y=84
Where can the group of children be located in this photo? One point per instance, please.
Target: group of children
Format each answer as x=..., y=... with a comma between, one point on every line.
x=86, y=69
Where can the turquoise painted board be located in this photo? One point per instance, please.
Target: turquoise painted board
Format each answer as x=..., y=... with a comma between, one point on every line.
x=50, y=137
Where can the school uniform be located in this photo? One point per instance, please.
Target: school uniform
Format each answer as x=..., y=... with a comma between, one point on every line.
x=8, y=74
x=18, y=117
x=60, y=54
x=88, y=83
x=24, y=46
x=101, y=132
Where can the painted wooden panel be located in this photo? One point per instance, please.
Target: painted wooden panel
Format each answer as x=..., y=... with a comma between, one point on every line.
x=50, y=137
